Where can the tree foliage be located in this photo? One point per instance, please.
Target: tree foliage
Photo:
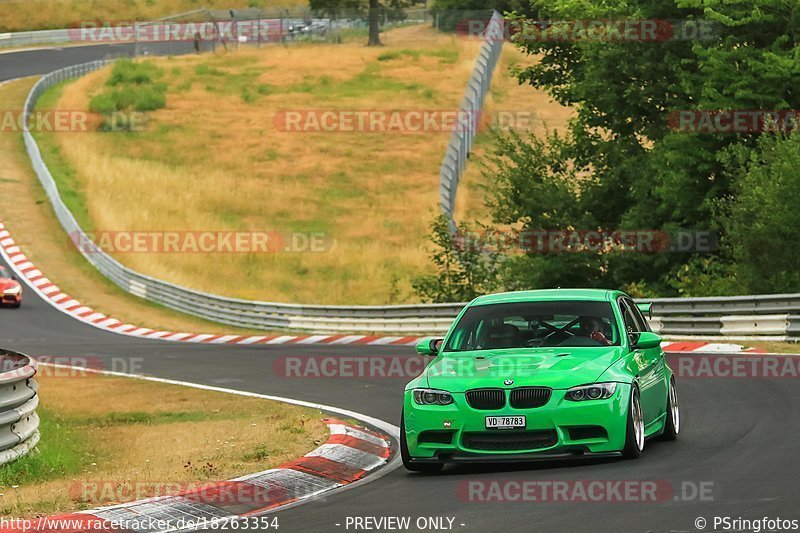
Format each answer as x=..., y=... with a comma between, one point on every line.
x=761, y=218
x=464, y=267
x=621, y=165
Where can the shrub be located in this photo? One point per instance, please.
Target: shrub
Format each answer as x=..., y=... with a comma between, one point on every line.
x=131, y=87
x=150, y=100
x=126, y=72
x=102, y=103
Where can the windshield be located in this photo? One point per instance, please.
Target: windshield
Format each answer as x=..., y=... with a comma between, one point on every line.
x=4, y=273
x=535, y=324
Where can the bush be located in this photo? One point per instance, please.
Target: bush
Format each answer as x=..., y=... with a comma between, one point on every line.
x=127, y=72
x=150, y=100
x=131, y=87
x=103, y=103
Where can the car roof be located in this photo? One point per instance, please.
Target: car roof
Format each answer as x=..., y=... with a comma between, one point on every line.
x=548, y=294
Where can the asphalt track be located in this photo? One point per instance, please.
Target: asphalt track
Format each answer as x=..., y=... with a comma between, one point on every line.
x=741, y=435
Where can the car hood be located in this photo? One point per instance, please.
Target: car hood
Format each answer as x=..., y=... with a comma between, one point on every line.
x=7, y=283
x=556, y=368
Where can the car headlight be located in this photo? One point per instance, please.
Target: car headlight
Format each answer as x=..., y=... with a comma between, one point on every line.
x=13, y=290
x=595, y=391
x=432, y=397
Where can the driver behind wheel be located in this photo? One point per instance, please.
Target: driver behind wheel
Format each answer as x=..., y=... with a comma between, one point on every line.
x=592, y=327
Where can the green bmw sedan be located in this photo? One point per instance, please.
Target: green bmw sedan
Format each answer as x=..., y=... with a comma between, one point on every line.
x=541, y=374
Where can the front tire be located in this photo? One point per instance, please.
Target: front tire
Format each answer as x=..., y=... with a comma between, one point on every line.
x=634, y=436
x=672, y=426
x=425, y=468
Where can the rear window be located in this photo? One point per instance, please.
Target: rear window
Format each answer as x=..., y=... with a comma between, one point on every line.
x=535, y=324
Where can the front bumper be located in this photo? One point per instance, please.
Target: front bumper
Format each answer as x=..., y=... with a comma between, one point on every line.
x=559, y=429
x=11, y=299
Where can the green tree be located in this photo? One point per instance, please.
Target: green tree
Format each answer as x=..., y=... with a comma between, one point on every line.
x=761, y=217
x=464, y=265
x=450, y=13
x=627, y=168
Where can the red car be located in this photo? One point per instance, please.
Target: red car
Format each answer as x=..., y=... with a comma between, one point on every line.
x=10, y=288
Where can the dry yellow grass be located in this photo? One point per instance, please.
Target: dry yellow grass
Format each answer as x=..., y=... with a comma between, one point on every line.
x=21, y=15
x=137, y=447
x=31, y=221
x=213, y=160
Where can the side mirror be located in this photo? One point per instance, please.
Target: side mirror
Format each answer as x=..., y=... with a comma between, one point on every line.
x=429, y=347
x=646, y=340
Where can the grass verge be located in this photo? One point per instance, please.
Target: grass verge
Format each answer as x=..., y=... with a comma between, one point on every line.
x=105, y=441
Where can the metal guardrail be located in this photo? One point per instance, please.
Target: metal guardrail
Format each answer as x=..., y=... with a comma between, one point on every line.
x=460, y=145
x=774, y=316
x=32, y=38
x=19, y=423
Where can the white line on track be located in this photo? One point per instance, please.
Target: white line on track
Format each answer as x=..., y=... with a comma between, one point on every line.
x=390, y=429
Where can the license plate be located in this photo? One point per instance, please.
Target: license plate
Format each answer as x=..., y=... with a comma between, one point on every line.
x=505, y=422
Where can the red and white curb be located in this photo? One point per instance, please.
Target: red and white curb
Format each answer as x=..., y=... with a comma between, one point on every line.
x=350, y=454
x=705, y=347
x=65, y=303
x=49, y=292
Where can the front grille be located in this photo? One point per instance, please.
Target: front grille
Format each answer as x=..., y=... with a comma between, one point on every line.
x=528, y=397
x=519, y=440
x=486, y=398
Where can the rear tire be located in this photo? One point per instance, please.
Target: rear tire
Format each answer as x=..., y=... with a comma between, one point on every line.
x=425, y=468
x=634, y=435
x=672, y=425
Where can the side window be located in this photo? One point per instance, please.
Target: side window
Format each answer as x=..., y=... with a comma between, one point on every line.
x=631, y=326
x=637, y=314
